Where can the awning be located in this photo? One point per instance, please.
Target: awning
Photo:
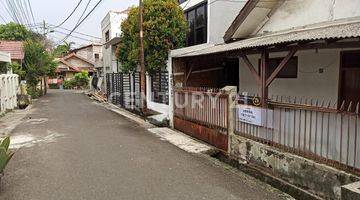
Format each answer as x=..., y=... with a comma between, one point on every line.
x=114, y=41
x=341, y=29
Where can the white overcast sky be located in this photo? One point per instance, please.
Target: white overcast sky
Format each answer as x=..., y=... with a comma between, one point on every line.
x=55, y=11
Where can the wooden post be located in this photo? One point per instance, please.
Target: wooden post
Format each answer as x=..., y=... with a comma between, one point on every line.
x=142, y=62
x=263, y=69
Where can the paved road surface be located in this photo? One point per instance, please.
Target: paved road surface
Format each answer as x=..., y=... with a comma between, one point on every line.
x=72, y=148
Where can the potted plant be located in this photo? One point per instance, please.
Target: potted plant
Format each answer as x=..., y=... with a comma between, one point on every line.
x=5, y=155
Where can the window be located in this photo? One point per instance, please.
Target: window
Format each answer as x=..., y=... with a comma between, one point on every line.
x=107, y=36
x=182, y=1
x=289, y=71
x=97, y=57
x=350, y=59
x=197, y=22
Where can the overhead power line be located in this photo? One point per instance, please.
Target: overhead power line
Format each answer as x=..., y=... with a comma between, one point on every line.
x=2, y=18
x=39, y=25
x=80, y=38
x=86, y=7
x=72, y=12
x=7, y=10
x=77, y=32
x=13, y=12
x=23, y=13
x=31, y=11
x=78, y=24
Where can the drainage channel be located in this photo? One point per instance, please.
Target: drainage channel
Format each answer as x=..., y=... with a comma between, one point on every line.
x=264, y=176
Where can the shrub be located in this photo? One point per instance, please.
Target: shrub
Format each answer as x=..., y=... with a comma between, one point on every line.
x=5, y=154
x=34, y=92
x=80, y=81
x=53, y=86
x=68, y=84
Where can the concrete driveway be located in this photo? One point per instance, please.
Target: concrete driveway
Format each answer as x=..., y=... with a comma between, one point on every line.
x=72, y=148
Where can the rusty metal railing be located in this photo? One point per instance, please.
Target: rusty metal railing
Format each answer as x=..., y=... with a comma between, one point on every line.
x=204, y=106
x=313, y=129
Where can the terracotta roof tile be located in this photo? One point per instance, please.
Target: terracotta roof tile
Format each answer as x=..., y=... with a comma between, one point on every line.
x=15, y=48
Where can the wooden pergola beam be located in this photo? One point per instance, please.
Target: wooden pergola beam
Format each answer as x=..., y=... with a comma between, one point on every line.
x=188, y=75
x=251, y=68
x=281, y=66
x=263, y=69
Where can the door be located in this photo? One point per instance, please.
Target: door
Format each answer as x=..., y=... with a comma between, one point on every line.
x=350, y=78
x=231, y=72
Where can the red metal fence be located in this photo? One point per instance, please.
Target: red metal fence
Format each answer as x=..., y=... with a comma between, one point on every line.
x=205, y=106
x=317, y=130
x=202, y=113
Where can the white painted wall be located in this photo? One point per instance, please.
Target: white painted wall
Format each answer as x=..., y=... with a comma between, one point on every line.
x=9, y=87
x=111, y=23
x=309, y=84
x=220, y=16
x=294, y=13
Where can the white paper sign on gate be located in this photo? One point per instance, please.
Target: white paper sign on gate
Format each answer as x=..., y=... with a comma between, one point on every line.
x=255, y=115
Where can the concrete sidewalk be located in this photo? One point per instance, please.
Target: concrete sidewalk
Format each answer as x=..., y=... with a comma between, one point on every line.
x=72, y=148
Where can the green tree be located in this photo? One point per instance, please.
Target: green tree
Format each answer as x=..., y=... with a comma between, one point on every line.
x=38, y=63
x=17, y=32
x=63, y=49
x=164, y=29
x=17, y=69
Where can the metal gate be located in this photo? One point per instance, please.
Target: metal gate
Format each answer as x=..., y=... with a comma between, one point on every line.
x=203, y=114
x=123, y=89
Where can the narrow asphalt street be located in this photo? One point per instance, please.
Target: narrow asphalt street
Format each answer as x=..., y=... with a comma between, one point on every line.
x=73, y=148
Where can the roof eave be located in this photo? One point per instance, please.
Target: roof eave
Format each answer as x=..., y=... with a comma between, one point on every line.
x=240, y=18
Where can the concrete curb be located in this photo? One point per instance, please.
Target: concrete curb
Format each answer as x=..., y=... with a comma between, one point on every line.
x=172, y=136
x=11, y=120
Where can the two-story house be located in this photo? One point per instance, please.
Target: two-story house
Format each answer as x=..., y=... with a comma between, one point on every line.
x=111, y=30
x=80, y=59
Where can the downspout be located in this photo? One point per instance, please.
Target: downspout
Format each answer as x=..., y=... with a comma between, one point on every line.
x=331, y=11
x=208, y=21
x=171, y=91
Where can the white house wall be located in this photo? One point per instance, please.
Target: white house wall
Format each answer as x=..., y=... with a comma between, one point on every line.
x=309, y=84
x=111, y=23
x=296, y=13
x=107, y=58
x=221, y=14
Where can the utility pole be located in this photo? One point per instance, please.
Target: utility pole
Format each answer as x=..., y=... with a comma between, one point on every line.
x=44, y=28
x=142, y=61
x=44, y=77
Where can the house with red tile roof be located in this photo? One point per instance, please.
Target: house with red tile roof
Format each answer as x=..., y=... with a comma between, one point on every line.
x=73, y=63
x=14, y=48
x=81, y=59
